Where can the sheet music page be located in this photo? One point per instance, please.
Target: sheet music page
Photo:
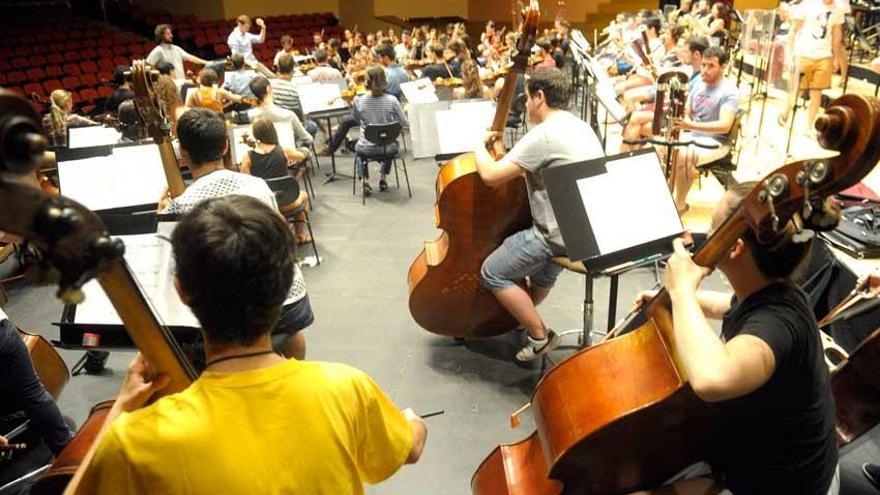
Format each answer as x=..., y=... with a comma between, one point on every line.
x=419, y=91
x=130, y=176
x=150, y=259
x=624, y=212
x=316, y=97
x=88, y=137
x=461, y=128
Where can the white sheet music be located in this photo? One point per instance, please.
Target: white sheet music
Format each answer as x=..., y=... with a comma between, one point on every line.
x=87, y=137
x=130, y=176
x=461, y=128
x=316, y=97
x=419, y=91
x=150, y=259
x=644, y=213
x=239, y=149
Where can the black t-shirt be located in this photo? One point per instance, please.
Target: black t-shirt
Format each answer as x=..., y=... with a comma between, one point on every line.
x=115, y=99
x=779, y=439
x=559, y=58
x=434, y=71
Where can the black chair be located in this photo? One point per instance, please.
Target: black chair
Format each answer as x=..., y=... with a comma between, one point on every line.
x=381, y=135
x=516, y=119
x=724, y=167
x=286, y=191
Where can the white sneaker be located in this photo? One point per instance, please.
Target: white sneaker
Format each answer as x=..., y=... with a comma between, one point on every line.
x=537, y=348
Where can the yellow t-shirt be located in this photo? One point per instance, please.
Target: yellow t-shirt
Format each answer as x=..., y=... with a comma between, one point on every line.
x=301, y=427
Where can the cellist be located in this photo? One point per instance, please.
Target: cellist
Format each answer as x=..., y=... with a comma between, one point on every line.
x=557, y=138
x=253, y=422
x=765, y=375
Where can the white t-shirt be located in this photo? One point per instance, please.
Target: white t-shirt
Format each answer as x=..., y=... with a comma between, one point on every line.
x=173, y=54
x=559, y=140
x=816, y=35
x=223, y=183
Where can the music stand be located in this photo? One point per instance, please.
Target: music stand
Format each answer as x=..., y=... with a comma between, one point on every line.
x=610, y=232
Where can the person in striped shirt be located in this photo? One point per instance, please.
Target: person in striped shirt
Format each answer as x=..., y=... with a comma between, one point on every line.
x=286, y=94
x=376, y=107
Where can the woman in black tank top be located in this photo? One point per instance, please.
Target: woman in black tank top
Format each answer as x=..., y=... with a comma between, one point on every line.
x=269, y=160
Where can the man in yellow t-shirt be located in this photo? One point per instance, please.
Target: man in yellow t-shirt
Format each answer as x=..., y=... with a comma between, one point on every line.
x=253, y=422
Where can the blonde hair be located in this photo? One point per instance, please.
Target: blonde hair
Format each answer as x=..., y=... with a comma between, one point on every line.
x=59, y=99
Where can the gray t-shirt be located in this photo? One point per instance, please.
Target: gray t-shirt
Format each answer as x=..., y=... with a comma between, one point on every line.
x=559, y=140
x=707, y=103
x=172, y=54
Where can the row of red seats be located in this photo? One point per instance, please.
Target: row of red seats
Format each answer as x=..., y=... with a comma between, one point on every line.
x=72, y=77
x=87, y=100
x=77, y=58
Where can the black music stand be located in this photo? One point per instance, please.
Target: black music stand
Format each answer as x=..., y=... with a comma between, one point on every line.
x=609, y=230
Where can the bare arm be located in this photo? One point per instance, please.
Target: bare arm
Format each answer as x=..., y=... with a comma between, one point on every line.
x=228, y=95
x=292, y=155
x=419, y=433
x=494, y=173
x=720, y=126
x=245, y=166
x=715, y=370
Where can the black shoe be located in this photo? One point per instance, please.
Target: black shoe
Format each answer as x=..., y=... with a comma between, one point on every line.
x=368, y=189
x=383, y=186
x=872, y=472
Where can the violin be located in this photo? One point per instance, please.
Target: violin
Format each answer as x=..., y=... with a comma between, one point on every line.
x=634, y=421
x=76, y=248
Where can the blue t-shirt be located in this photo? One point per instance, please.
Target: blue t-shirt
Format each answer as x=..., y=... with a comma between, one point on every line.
x=395, y=75
x=706, y=104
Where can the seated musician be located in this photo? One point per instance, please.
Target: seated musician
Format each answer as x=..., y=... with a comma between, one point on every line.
x=684, y=9
x=334, y=60
x=61, y=115
x=323, y=72
x=765, y=377
x=638, y=124
x=22, y=391
x=207, y=95
x=638, y=86
x=472, y=86
x=286, y=49
x=299, y=426
x=710, y=113
x=439, y=68
x=238, y=81
x=376, y=107
x=202, y=149
x=404, y=51
x=394, y=74
x=265, y=95
x=165, y=51
x=286, y=95
x=557, y=138
x=717, y=24
x=543, y=59
x=269, y=160
x=130, y=123
x=167, y=91
x=121, y=92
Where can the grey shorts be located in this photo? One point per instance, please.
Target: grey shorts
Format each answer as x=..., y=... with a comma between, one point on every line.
x=522, y=255
x=703, y=470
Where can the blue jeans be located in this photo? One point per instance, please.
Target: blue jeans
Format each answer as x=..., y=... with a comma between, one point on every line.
x=311, y=127
x=345, y=124
x=522, y=255
x=366, y=151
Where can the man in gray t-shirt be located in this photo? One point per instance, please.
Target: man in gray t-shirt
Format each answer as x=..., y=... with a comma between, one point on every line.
x=558, y=138
x=710, y=113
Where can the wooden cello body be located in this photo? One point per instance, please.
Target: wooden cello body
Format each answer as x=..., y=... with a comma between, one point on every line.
x=620, y=416
x=857, y=391
x=445, y=295
x=48, y=364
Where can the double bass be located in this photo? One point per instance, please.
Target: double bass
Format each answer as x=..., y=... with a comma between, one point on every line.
x=621, y=416
x=445, y=295
x=76, y=248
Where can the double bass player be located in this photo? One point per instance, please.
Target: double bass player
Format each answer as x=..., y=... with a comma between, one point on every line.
x=558, y=138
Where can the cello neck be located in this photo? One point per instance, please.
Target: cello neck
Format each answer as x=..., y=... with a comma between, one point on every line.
x=505, y=100
x=171, y=167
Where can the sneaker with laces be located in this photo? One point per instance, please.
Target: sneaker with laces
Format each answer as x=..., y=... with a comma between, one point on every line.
x=872, y=472
x=537, y=348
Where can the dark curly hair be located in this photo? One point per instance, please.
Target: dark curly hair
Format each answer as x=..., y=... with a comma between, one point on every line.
x=235, y=262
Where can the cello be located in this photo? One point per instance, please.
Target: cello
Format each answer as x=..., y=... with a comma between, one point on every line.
x=634, y=420
x=445, y=295
x=76, y=248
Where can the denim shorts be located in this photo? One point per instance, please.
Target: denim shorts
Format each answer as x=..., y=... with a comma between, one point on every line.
x=522, y=255
x=295, y=317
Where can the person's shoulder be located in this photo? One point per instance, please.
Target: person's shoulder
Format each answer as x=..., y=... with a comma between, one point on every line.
x=337, y=375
